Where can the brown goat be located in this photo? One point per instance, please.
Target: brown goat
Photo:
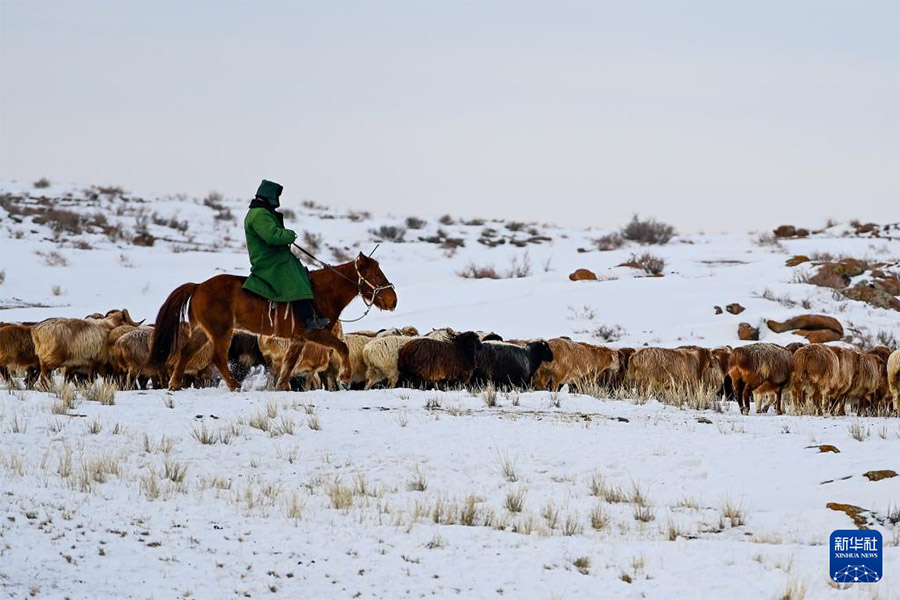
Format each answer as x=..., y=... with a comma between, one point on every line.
x=435, y=362
x=848, y=366
x=762, y=369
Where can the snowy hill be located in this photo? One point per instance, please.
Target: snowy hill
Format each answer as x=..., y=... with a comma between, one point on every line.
x=406, y=493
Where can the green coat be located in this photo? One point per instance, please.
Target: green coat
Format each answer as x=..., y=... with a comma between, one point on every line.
x=275, y=273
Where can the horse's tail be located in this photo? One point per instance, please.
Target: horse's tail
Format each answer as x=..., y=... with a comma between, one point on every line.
x=167, y=331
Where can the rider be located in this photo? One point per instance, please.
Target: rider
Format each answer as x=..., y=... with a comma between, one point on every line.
x=275, y=273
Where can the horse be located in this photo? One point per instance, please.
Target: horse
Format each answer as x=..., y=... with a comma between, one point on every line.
x=217, y=306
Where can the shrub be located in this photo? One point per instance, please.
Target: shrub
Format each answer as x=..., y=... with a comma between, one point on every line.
x=611, y=241
x=388, y=233
x=473, y=271
x=2, y=276
x=42, y=183
x=446, y=220
x=474, y=222
x=608, y=333
x=519, y=267
x=649, y=263
x=515, y=226
x=415, y=223
x=312, y=241
x=214, y=201
x=649, y=231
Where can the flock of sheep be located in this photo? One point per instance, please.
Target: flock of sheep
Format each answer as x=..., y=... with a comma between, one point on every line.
x=822, y=378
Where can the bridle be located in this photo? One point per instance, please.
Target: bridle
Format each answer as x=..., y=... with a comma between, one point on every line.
x=360, y=280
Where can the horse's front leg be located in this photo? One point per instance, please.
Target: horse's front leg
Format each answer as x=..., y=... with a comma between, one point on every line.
x=327, y=338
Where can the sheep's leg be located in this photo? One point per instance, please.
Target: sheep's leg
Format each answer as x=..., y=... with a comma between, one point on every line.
x=289, y=361
x=745, y=399
x=779, y=408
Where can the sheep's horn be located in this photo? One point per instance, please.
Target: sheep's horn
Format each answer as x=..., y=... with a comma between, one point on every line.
x=128, y=318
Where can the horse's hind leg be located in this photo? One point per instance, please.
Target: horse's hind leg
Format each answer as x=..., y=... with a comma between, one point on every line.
x=185, y=354
x=289, y=361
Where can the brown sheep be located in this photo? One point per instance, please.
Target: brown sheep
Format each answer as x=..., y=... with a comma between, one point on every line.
x=574, y=363
x=869, y=383
x=426, y=361
x=673, y=369
x=893, y=378
x=815, y=375
x=75, y=342
x=17, y=352
x=762, y=369
x=848, y=361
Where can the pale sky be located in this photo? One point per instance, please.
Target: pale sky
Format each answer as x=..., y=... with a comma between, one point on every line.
x=717, y=115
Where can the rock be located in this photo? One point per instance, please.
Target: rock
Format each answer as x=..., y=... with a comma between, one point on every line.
x=879, y=475
x=854, y=512
x=829, y=275
x=796, y=260
x=718, y=310
x=583, y=275
x=818, y=336
x=735, y=308
x=887, y=283
x=873, y=296
x=810, y=322
x=801, y=232
x=850, y=267
x=785, y=231
x=748, y=332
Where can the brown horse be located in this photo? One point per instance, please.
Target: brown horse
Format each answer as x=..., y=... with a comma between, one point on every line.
x=217, y=306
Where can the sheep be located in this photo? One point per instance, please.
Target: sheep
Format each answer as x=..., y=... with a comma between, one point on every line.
x=722, y=355
x=893, y=379
x=759, y=369
x=380, y=357
x=848, y=361
x=75, y=342
x=613, y=379
x=444, y=334
x=671, y=369
x=869, y=383
x=815, y=373
x=407, y=331
x=315, y=359
x=436, y=362
x=574, y=364
x=509, y=365
x=17, y=352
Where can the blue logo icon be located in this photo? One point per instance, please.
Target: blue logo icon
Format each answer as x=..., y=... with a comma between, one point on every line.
x=856, y=556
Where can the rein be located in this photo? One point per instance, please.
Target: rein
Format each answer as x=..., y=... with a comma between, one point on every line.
x=360, y=280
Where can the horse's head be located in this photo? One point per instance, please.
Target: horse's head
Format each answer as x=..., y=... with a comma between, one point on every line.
x=374, y=287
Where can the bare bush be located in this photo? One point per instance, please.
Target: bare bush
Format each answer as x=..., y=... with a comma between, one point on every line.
x=42, y=183
x=312, y=241
x=473, y=271
x=54, y=259
x=446, y=220
x=611, y=241
x=648, y=231
x=649, y=263
x=768, y=240
x=388, y=233
x=608, y=333
x=415, y=223
x=519, y=267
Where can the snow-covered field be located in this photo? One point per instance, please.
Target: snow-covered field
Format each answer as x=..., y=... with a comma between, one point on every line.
x=405, y=493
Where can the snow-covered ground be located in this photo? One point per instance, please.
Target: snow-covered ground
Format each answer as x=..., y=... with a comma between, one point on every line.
x=404, y=493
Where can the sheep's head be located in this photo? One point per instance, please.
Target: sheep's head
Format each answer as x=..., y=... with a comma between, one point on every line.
x=541, y=351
